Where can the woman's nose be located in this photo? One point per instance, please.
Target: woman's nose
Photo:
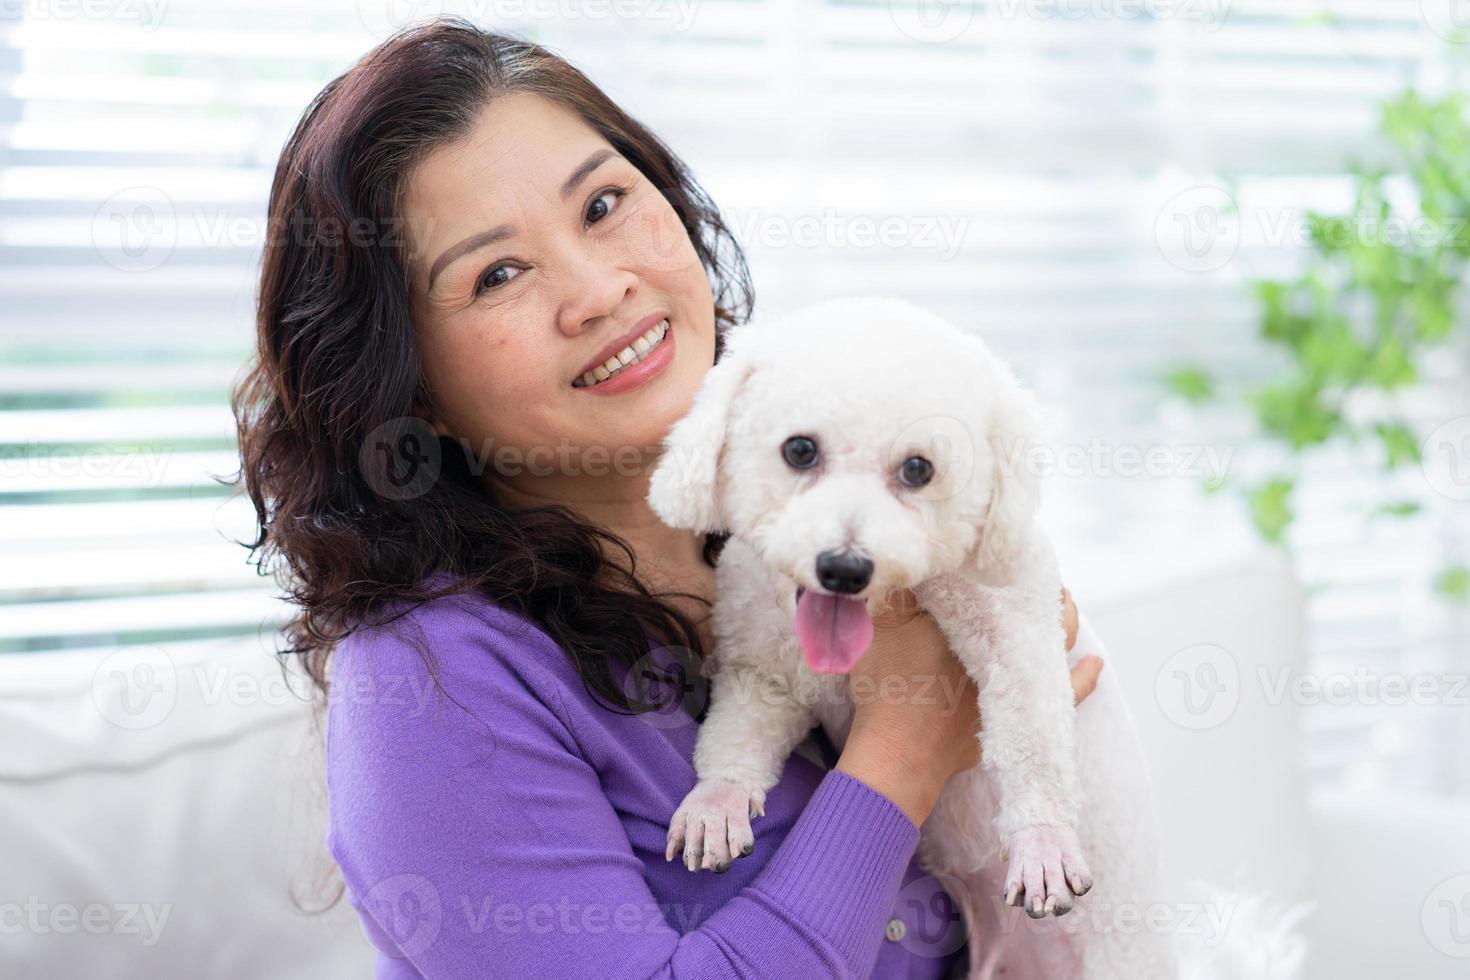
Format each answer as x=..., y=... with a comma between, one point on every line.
x=598, y=287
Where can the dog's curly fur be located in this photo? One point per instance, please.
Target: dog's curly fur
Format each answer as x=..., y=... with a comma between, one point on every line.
x=1062, y=793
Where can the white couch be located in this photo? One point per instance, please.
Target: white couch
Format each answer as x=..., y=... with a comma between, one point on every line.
x=175, y=791
x=203, y=800
x=1233, y=807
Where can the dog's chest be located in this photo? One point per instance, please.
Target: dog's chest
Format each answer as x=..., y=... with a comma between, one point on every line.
x=833, y=706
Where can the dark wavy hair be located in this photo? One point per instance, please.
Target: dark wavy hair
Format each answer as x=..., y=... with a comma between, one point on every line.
x=336, y=377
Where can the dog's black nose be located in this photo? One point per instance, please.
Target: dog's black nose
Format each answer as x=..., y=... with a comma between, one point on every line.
x=843, y=571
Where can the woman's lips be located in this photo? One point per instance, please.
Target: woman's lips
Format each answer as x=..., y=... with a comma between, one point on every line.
x=634, y=375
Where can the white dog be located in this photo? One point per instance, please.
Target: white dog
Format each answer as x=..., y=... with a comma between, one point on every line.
x=865, y=445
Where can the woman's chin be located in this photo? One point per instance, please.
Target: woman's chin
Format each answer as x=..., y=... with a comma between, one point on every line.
x=655, y=413
x=642, y=417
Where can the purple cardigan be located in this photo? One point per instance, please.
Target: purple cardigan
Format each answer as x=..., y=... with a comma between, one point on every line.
x=520, y=831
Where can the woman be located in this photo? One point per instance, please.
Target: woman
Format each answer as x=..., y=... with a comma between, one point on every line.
x=486, y=296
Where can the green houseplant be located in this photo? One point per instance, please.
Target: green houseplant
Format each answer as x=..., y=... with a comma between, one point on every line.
x=1362, y=314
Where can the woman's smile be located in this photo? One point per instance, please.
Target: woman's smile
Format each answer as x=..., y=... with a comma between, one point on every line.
x=636, y=362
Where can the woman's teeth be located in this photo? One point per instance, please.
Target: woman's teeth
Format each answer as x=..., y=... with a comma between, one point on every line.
x=631, y=354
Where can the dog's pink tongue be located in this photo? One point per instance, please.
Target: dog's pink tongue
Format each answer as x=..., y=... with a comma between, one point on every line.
x=834, y=631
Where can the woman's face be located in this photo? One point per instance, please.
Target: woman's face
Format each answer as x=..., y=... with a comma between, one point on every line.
x=537, y=251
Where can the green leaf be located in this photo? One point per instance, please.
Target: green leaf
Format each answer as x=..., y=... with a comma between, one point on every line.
x=1405, y=119
x=1330, y=233
x=1294, y=413
x=1332, y=353
x=1193, y=384
x=1270, y=507
x=1454, y=583
x=1399, y=443
x=1278, y=322
x=1431, y=312
x=1397, y=508
x=1390, y=366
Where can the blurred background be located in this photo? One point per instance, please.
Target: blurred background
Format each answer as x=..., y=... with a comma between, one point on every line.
x=1224, y=240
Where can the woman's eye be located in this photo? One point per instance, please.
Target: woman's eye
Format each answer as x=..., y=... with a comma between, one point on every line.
x=596, y=214
x=800, y=452
x=916, y=471
x=493, y=277
x=596, y=211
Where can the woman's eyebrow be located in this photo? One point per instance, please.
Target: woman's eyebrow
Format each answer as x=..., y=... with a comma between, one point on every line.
x=580, y=174
x=500, y=232
x=467, y=246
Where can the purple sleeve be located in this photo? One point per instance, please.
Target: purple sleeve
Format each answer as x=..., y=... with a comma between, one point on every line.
x=456, y=827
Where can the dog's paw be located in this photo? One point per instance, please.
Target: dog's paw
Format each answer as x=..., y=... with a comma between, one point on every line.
x=1046, y=871
x=712, y=825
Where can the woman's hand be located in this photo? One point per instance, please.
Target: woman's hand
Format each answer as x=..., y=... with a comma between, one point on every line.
x=916, y=720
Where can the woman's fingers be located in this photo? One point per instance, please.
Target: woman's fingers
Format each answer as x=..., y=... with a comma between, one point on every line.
x=1084, y=677
x=1084, y=674
x=1069, y=618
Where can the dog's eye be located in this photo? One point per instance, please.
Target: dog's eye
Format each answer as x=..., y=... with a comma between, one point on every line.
x=800, y=452
x=916, y=471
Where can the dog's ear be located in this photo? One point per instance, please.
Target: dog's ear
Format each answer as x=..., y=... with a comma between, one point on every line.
x=684, y=488
x=1015, y=497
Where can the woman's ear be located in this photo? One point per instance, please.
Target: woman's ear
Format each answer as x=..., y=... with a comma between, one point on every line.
x=422, y=409
x=1015, y=497
x=684, y=488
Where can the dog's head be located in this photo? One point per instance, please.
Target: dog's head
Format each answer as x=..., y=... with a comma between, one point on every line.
x=859, y=446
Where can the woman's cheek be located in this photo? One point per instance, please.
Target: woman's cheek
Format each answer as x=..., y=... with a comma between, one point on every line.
x=654, y=237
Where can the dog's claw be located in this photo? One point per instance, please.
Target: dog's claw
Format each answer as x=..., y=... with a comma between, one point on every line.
x=712, y=825
x=1046, y=871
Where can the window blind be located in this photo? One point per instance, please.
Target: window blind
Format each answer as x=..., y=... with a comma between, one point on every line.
x=1004, y=162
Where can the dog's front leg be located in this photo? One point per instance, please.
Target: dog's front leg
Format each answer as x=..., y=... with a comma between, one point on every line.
x=754, y=723
x=1011, y=642
x=1027, y=744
